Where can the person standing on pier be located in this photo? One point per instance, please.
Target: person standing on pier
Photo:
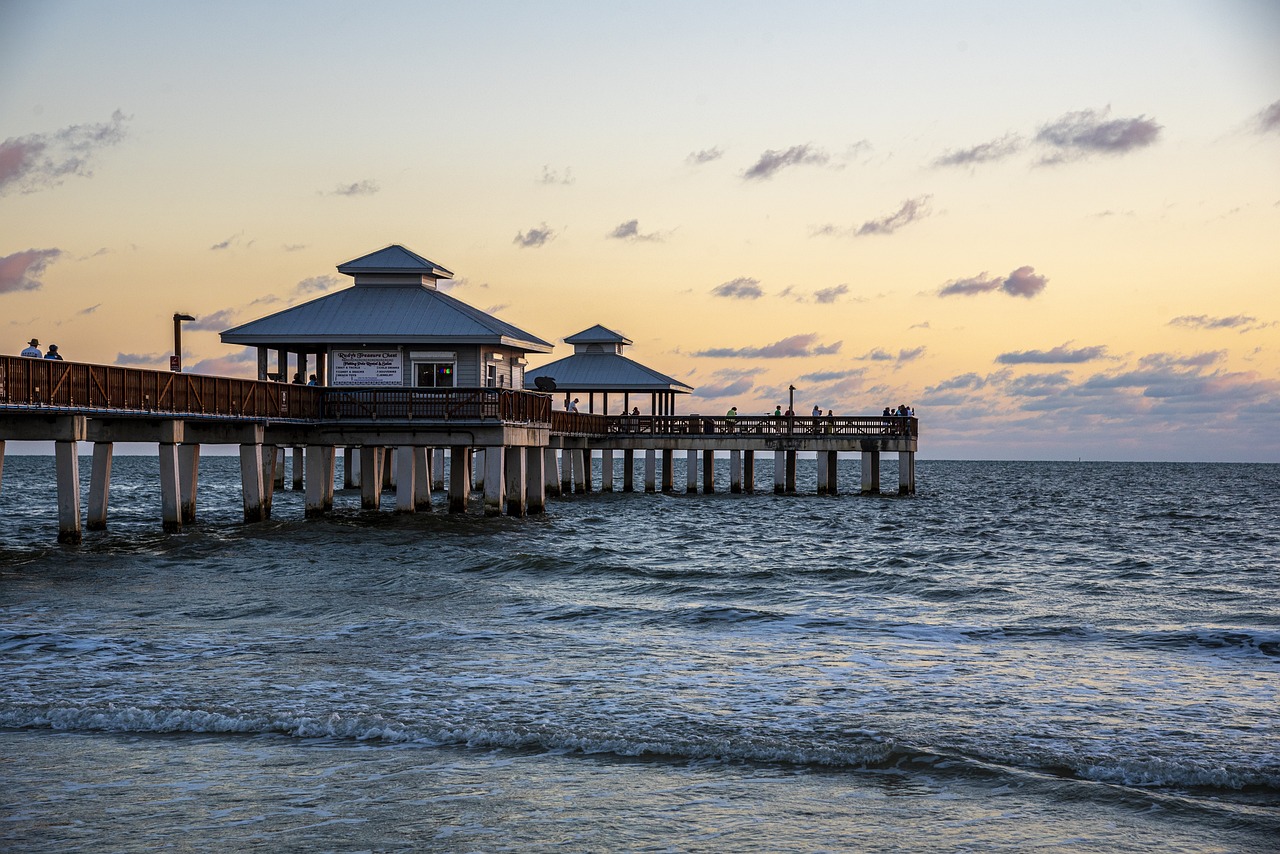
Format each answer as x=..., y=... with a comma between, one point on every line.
x=32, y=349
x=731, y=419
x=53, y=353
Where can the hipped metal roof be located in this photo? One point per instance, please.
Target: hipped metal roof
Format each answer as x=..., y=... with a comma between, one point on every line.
x=399, y=304
x=605, y=371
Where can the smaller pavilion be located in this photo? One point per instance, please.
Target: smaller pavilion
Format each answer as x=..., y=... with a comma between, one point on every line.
x=598, y=366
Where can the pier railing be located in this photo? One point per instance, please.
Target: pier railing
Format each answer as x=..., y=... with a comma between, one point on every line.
x=747, y=426
x=468, y=404
x=48, y=384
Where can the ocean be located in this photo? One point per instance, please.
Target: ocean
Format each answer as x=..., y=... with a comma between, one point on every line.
x=1023, y=656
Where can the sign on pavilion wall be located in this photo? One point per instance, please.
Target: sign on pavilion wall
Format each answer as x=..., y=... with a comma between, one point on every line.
x=367, y=367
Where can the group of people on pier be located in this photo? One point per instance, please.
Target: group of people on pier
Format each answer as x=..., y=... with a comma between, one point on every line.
x=32, y=351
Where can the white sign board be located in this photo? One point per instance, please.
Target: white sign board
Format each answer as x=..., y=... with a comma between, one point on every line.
x=367, y=367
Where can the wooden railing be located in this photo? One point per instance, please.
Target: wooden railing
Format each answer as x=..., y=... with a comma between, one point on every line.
x=747, y=426
x=46, y=383
x=471, y=404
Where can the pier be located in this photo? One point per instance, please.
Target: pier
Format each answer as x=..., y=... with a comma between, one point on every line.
x=416, y=405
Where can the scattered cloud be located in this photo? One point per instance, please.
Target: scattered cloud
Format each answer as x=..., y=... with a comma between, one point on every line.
x=831, y=294
x=294, y=247
x=494, y=309
x=21, y=271
x=1079, y=134
x=1195, y=360
x=772, y=161
x=829, y=376
x=90, y=310
x=739, y=288
x=924, y=324
x=1022, y=282
x=213, y=321
x=242, y=363
x=728, y=388
x=910, y=211
x=795, y=345
x=1060, y=355
x=359, y=188
x=553, y=176
x=535, y=237
x=911, y=355
x=630, y=230
x=1238, y=322
x=36, y=161
x=986, y=152
x=706, y=155
x=879, y=354
x=316, y=284
x=141, y=359
x=226, y=244
x=1268, y=121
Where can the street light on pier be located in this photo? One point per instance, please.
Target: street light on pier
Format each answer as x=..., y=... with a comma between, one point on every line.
x=175, y=361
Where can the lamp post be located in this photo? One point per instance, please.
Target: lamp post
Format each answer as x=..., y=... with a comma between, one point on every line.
x=175, y=361
x=791, y=409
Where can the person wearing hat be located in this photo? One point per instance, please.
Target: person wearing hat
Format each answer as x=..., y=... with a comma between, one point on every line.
x=33, y=349
x=53, y=353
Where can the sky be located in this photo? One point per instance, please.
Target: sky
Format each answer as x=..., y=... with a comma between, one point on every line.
x=1052, y=228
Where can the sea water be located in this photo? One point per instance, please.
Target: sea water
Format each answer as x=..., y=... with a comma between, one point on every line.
x=1050, y=656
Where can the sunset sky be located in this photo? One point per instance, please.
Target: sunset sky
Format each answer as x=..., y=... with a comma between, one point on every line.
x=1053, y=228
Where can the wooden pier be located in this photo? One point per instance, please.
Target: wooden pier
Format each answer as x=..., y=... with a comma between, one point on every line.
x=507, y=444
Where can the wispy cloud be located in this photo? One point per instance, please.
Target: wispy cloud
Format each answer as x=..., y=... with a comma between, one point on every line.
x=36, y=161
x=742, y=287
x=226, y=244
x=772, y=161
x=316, y=284
x=1022, y=282
x=1079, y=134
x=131, y=359
x=879, y=354
x=795, y=345
x=910, y=211
x=706, y=155
x=831, y=294
x=535, y=237
x=240, y=363
x=1238, y=322
x=1063, y=354
x=214, y=321
x=497, y=307
x=726, y=383
x=554, y=176
x=1268, y=121
x=630, y=230
x=90, y=309
x=360, y=188
x=21, y=271
x=294, y=247
x=986, y=152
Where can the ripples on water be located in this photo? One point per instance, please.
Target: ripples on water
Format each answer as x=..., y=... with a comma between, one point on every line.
x=1060, y=655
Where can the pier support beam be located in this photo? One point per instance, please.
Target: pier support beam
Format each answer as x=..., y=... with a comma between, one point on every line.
x=170, y=477
x=791, y=472
x=318, y=493
x=251, y=481
x=406, y=479
x=650, y=470
x=493, y=481
x=100, y=485
x=422, y=479
x=67, y=463
x=566, y=471
x=387, y=465
x=550, y=472
x=581, y=469
x=779, y=472
x=349, y=474
x=606, y=469
x=691, y=472
x=870, y=473
x=188, y=478
x=735, y=471
x=437, y=469
x=823, y=472
x=628, y=470
x=708, y=472
x=478, y=462
x=277, y=477
x=833, y=471
x=517, y=485
x=371, y=458
x=298, y=467
x=1, y=463
x=749, y=471
x=536, y=480
x=906, y=473
x=270, y=461
x=668, y=470
x=459, y=479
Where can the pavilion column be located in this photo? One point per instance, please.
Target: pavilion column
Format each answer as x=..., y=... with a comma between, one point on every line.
x=314, y=484
x=708, y=472
x=459, y=479
x=650, y=470
x=566, y=470
x=298, y=467
x=779, y=472
x=628, y=470
x=406, y=479
x=906, y=472
x=550, y=472
x=437, y=470
x=282, y=366
x=251, y=481
x=262, y=364
x=668, y=470
x=536, y=480
x=691, y=472
x=349, y=475
x=735, y=471
x=189, y=478
x=516, y=484
x=606, y=469
x=67, y=463
x=370, y=477
x=791, y=472
x=422, y=479
x=493, y=481
x=100, y=485
x=870, y=473
x=749, y=471
x=322, y=374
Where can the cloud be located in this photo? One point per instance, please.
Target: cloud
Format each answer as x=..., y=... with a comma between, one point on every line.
x=831, y=294
x=144, y=359
x=829, y=376
x=213, y=322
x=771, y=162
x=1060, y=355
x=1038, y=385
x=33, y=162
x=359, y=188
x=497, y=307
x=1022, y=282
x=315, y=284
x=534, y=237
x=706, y=155
x=739, y=288
x=21, y=271
x=1195, y=360
x=731, y=388
x=879, y=354
x=910, y=211
x=1075, y=135
x=795, y=345
x=232, y=365
x=911, y=355
x=294, y=247
x=630, y=230
x=90, y=310
x=226, y=244
x=552, y=176
x=986, y=152
x=1268, y=121
x=1240, y=322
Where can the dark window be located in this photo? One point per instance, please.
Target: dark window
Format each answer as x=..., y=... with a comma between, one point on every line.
x=433, y=374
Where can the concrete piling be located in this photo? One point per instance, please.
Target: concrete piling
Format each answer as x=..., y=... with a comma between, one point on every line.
x=100, y=485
